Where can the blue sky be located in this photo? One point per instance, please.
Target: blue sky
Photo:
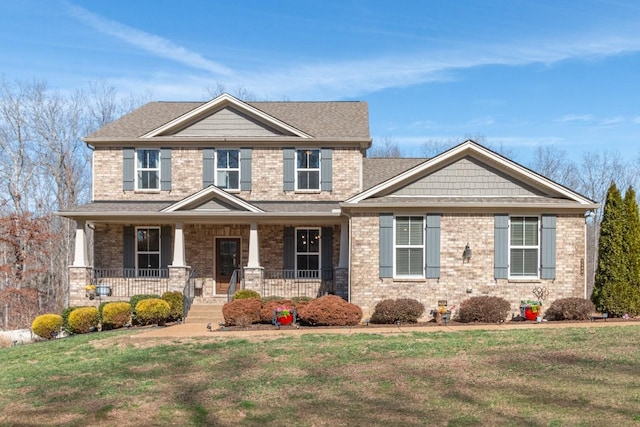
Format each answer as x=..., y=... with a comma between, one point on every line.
x=518, y=73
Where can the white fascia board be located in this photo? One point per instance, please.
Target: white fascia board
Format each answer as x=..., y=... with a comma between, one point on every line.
x=224, y=99
x=459, y=151
x=204, y=193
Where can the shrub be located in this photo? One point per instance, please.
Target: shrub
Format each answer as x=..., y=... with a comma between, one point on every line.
x=116, y=315
x=242, y=312
x=84, y=319
x=404, y=310
x=65, y=319
x=245, y=293
x=175, y=300
x=135, y=299
x=570, y=309
x=268, y=307
x=620, y=298
x=47, y=325
x=484, y=309
x=330, y=310
x=152, y=311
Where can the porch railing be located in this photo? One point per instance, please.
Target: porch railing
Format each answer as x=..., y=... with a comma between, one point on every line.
x=234, y=283
x=188, y=293
x=298, y=283
x=126, y=282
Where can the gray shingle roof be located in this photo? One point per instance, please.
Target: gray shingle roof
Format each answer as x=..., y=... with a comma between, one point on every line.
x=344, y=119
x=377, y=170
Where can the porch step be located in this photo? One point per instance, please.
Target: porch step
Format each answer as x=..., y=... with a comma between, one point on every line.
x=205, y=313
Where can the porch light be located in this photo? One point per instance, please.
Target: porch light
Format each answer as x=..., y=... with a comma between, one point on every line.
x=466, y=254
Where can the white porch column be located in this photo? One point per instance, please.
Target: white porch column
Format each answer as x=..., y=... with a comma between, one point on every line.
x=254, y=247
x=344, y=245
x=178, y=247
x=80, y=257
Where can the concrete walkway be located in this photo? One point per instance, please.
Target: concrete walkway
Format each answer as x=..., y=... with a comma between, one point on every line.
x=187, y=330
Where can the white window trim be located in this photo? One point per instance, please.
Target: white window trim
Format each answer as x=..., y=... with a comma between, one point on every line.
x=217, y=169
x=396, y=246
x=138, y=169
x=159, y=252
x=319, y=253
x=318, y=169
x=537, y=247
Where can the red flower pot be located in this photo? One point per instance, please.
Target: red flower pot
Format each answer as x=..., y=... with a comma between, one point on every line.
x=285, y=320
x=529, y=314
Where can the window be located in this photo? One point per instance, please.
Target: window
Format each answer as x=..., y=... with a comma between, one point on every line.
x=307, y=169
x=148, y=251
x=228, y=169
x=523, y=246
x=409, y=246
x=148, y=169
x=307, y=252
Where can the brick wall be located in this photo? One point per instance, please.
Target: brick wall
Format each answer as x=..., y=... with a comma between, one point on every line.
x=186, y=174
x=459, y=281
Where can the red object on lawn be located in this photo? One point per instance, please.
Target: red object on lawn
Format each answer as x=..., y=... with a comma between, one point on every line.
x=285, y=320
x=529, y=314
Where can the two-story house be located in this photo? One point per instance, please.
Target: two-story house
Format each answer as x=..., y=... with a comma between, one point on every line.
x=280, y=197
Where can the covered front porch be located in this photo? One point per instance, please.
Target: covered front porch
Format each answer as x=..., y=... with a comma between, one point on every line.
x=213, y=260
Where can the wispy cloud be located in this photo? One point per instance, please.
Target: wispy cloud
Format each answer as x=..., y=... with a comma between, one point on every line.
x=324, y=79
x=575, y=118
x=153, y=44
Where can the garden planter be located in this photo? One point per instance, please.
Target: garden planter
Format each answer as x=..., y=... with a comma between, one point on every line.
x=285, y=320
x=529, y=314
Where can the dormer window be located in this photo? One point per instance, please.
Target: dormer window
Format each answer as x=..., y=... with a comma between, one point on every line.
x=228, y=169
x=308, y=170
x=147, y=169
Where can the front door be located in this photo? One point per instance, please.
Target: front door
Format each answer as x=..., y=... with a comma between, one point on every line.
x=227, y=260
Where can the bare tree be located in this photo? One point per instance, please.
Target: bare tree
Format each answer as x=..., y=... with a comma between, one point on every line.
x=241, y=92
x=554, y=163
x=386, y=148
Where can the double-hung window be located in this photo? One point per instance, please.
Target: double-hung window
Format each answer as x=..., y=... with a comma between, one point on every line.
x=148, y=251
x=308, y=170
x=228, y=169
x=409, y=246
x=307, y=252
x=524, y=246
x=148, y=169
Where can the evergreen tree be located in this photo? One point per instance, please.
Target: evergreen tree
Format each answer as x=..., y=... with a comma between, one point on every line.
x=631, y=237
x=611, y=258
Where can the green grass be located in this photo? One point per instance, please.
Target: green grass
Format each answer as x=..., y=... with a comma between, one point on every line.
x=536, y=377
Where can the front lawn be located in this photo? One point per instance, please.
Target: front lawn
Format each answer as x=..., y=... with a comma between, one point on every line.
x=535, y=377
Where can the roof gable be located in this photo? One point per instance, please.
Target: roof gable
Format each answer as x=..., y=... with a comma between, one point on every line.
x=225, y=116
x=469, y=170
x=212, y=199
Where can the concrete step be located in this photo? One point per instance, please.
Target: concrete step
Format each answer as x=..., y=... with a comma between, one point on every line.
x=205, y=313
x=217, y=300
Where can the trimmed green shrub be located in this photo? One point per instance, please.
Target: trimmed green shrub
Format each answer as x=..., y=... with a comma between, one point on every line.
x=484, y=309
x=135, y=299
x=244, y=294
x=153, y=311
x=84, y=319
x=404, y=310
x=329, y=310
x=570, y=309
x=116, y=315
x=65, y=319
x=47, y=325
x=620, y=298
x=176, y=304
x=242, y=312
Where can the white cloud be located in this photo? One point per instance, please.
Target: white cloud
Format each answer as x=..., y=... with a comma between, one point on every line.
x=575, y=118
x=153, y=44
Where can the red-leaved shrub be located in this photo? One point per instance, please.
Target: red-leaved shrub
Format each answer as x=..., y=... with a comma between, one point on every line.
x=330, y=310
x=242, y=312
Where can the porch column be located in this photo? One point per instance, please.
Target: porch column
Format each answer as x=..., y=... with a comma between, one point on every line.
x=344, y=245
x=254, y=247
x=178, y=247
x=80, y=257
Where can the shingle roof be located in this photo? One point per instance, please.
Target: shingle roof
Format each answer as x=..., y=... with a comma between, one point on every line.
x=344, y=119
x=377, y=170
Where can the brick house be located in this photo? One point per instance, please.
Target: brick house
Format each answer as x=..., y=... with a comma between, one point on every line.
x=279, y=197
